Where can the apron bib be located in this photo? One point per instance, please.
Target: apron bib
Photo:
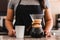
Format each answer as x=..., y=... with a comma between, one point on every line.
x=23, y=14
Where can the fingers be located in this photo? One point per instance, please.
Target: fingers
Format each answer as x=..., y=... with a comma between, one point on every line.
x=12, y=33
x=48, y=34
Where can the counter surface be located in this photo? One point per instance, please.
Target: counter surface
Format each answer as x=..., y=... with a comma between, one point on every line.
x=5, y=37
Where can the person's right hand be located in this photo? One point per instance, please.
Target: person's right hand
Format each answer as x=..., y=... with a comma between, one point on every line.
x=11, y=33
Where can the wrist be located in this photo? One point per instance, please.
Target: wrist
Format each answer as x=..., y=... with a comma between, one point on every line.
x=10, y=29
x=47, y=30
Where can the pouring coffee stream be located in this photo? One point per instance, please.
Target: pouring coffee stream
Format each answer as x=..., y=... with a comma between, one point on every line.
x=37, y=30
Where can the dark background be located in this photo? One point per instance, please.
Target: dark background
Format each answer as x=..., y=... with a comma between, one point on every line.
x=3, y=7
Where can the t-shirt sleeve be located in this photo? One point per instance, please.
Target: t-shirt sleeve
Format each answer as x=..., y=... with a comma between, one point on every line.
x=47, y=3
x=11, y=4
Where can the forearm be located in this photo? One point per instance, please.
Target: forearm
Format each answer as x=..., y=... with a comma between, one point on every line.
x=9, y=25
x=48, y=20
x=9, y=19
x=49, y=25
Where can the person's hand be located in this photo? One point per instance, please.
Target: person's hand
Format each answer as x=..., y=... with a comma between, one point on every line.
x=47, y=33
x=11, y=33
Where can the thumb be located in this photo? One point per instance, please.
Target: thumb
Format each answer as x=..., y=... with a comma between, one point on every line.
x=14, y=32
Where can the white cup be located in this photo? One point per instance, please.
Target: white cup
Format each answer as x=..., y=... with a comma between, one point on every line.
x=20, y=31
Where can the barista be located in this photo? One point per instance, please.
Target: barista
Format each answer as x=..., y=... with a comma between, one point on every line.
x=22, y=10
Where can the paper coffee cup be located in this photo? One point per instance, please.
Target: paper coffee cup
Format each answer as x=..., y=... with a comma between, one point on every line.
x=20, y=31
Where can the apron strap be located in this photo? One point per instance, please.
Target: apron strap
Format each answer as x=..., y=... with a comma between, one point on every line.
x=19, y=1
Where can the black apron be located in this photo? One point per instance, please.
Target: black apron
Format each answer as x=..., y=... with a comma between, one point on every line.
x=23, y=15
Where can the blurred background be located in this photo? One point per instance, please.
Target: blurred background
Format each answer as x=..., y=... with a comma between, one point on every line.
x=55, y=11
x=3, y=7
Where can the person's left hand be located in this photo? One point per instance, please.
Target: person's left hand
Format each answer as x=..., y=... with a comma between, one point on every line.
x=47, y=33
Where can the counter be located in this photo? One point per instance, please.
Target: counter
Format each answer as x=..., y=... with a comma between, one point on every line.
x=6, y=37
